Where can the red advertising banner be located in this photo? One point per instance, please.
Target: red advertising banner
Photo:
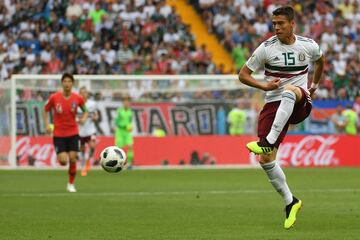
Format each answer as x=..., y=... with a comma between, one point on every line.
x=297, y=150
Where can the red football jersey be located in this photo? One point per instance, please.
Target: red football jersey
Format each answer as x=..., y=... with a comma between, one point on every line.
x=65, y=110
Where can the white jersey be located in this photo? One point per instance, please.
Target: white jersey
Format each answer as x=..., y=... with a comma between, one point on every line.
x=289, y=63
x=88, y=128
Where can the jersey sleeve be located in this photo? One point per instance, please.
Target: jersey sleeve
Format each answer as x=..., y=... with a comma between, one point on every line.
x=315, y=51
x=81, y=103
x=257, y=59
x=49, y=104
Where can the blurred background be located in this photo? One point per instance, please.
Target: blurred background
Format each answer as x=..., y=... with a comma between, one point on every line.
x=178, y=121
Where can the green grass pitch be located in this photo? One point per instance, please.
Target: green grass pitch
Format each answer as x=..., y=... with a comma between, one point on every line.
x=178, y=204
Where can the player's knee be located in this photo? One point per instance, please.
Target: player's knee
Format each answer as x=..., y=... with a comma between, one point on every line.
x=62, y=162
x=292, y=90
x=62, y=158
x=73, y=159
x=289, y=87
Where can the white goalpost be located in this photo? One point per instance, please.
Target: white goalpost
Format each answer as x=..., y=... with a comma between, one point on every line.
x=25, y=87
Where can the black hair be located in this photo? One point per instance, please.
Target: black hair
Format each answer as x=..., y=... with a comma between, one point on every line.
x=67, y=75
x=286, y=11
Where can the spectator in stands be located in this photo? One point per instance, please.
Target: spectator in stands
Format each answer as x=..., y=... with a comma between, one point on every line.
x=65, y=36
x=219, y=21
x=144, y=26
x=338, y=120
x=54, y=65
x=352, y=88
x=3, y=72
x=97, y=13
x=240, y=54
x=74, y=9
x=346, y=8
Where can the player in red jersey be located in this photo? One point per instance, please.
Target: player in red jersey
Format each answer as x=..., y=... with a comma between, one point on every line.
x=65, y=131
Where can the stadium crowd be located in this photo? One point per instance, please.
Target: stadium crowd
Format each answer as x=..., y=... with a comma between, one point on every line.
x=241, y=25
x=148, y=37
x=98, y=37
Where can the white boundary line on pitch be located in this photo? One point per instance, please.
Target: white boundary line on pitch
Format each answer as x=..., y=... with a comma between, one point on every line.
x=210, y=192
x=168, y=167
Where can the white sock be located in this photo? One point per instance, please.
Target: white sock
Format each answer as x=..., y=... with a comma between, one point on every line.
x=83, y=159
x=283, y=114
x=278, y=180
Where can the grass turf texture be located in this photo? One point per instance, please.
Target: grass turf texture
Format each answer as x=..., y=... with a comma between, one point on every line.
x=178, y=204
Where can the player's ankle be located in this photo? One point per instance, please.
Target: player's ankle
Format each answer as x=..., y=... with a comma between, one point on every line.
x=265, y=143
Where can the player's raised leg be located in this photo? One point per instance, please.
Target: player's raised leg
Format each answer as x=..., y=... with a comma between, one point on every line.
x=289, y=97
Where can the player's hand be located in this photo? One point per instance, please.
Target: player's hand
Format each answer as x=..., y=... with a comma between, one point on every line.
x=274, y=84
x=312, y=91
x=81, y=121
x=49, y=128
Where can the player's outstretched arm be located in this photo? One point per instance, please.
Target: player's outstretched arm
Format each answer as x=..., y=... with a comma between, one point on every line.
x=48, y=127
x=246, y=78
x=95, y=116
x=84, y=116
x=318, y=70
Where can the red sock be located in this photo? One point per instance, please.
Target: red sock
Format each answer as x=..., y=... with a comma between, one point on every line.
x=72, y=172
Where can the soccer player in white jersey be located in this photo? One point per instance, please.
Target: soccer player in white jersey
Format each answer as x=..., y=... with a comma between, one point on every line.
x=87, y=132
x=286, y=58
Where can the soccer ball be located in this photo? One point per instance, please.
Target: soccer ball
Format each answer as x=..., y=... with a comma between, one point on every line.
x=113, y=159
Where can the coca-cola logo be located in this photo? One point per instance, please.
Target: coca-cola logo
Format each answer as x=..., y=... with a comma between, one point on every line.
x=313, y=150
x=43, y=153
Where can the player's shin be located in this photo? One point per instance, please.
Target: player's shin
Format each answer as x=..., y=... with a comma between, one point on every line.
x=72, y=172
x=277, y=178
x=90, y=158
x=91, y=152
x=82, y=158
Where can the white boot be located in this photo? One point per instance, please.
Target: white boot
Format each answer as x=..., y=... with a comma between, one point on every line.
x=71, y=188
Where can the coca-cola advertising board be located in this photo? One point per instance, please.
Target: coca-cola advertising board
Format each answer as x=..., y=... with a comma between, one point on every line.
x=295, y=151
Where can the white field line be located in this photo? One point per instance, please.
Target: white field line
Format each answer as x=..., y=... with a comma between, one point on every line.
x=170, y=167
x=210, y=192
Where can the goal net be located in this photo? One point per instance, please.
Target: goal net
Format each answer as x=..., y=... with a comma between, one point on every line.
x=201, y=103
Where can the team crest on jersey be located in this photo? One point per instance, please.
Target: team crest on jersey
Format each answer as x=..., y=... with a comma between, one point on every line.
x=301, y=57
x=73, y=106
x=58, y=108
